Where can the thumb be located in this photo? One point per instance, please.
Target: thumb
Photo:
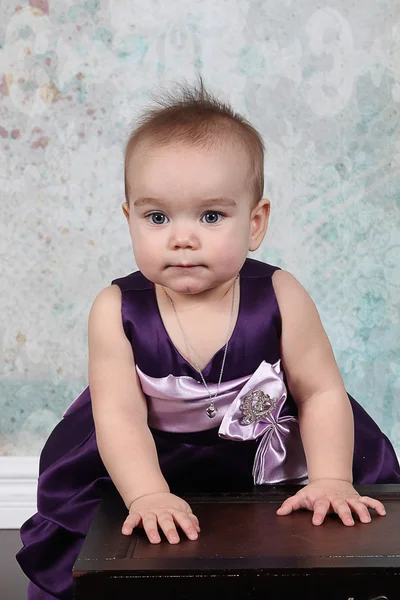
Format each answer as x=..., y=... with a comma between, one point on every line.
x=289, y=505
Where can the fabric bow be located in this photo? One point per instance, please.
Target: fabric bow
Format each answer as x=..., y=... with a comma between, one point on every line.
x=255, y=413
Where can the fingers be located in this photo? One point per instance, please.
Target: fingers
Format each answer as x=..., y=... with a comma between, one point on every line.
x=131, y=521
x=149, y=522
x=342, y=506
x=374, y=504
x=360, y=505
x=342, y=509
x=195, y=521
x=321, y=507
x=167, y=525
x=188, y=522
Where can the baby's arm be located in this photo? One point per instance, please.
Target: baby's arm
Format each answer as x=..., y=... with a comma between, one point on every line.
x=325, y=414
x=125, y=443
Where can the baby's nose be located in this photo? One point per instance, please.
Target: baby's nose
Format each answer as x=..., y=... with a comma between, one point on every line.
x=184, y=237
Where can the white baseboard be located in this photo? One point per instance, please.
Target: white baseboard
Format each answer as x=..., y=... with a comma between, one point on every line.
x=18, y=486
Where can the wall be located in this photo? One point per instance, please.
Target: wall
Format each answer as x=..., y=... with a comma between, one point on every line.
x=320, y=80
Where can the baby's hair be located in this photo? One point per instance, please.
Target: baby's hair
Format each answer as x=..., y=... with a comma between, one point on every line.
x=193, y=116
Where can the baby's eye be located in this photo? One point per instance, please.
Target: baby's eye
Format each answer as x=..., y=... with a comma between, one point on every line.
x=211, y=217
x=157, y=218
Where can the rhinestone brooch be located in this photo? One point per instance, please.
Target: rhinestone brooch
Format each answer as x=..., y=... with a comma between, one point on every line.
x=256, y=406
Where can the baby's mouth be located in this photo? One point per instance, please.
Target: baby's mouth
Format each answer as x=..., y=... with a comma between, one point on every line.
x=185, y=266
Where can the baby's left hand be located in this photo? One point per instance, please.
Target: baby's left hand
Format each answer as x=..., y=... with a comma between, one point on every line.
x=332, y=495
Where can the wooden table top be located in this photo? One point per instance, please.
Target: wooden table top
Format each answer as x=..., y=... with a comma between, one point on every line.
x=241, y=531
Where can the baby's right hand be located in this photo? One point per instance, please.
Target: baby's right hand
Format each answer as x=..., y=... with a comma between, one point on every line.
x=161, y=510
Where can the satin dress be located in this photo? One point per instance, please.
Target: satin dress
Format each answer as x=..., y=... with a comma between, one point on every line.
x=253, y=439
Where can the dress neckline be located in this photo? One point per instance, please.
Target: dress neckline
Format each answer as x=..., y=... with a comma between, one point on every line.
x=209, y=366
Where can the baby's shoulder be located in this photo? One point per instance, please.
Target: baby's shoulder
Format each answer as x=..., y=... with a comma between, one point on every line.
x=291, y=296
x=108, y=299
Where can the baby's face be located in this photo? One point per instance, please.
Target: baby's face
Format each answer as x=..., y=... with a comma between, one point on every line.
x=190, y=215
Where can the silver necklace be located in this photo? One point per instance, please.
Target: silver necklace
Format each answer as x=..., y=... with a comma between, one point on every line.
x=211, y=410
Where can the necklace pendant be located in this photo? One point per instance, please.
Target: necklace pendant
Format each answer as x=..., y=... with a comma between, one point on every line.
x=211, y=411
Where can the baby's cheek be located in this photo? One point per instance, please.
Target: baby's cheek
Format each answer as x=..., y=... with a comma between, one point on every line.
x=146, y=256
x=232, y=247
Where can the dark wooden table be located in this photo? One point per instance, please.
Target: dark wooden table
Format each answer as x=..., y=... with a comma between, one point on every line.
x=245, y=551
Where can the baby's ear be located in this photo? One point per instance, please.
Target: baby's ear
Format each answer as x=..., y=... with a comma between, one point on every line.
x=125, y=209
x=259, y=223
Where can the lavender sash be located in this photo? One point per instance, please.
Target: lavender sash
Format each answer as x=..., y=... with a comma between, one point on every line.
x=178, y=404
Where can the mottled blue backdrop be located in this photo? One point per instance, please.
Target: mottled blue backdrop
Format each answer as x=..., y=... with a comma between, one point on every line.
x=320, y=80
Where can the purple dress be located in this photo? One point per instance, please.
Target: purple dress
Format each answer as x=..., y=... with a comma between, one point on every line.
x=254, y=437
